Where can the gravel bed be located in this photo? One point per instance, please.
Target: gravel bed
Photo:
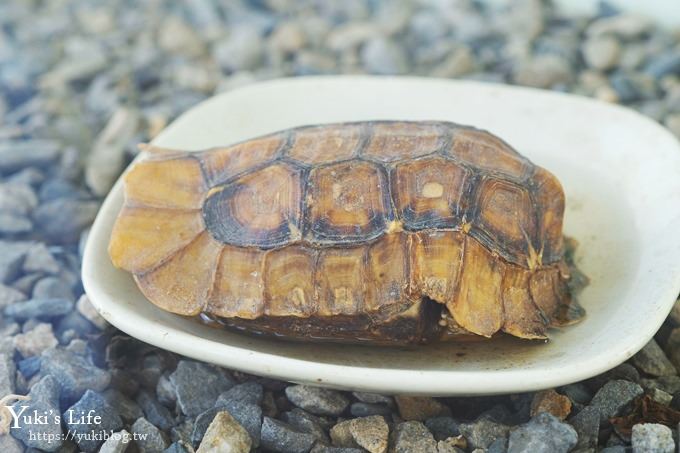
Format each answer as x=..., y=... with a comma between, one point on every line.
x=83, y=82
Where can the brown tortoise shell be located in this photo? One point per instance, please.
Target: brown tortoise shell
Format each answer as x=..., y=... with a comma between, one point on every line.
x=381, y=231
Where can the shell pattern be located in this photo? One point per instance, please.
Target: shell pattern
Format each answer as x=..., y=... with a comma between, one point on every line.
x=381, y=231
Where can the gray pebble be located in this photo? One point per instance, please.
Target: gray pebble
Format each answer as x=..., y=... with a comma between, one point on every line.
x=39, y=308
x=241, y=50
x=587, y=426
x=165, y=391
x=197, y=386
x=308, y=423
x=44, y=399
x=7, y=374
x=443, y=427
x=663, y=65
x=12, y=255
x=12, y=223
x=63, y=219
x=154, y=411
x=280, y=437
x=317, y=400
x=383, y=56
x=9, y=296
x=652, y=438
x=614, y=397
x=39, y=259
x=482, y=432
x=179, y=447
x=89, y=417
x=366, y=409
x=374, y=398
x=412, y=437
x=117, y=443
x=651, y=360
x=321, y=448
x=9, y=444
x=75, y=373
x=149, y=438
x=52, y=288
x=542, y=434
x=248, y=392
x=128, y=410
x=15, y=155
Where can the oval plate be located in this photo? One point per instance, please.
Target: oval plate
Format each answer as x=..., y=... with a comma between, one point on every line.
x=621, y=175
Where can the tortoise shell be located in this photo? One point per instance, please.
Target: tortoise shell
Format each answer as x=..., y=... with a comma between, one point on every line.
x=382, y=231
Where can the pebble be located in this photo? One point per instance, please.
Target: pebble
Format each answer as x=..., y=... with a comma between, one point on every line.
x=16, y=155
x=197, y=386
x=544, y=71
x=248, y=392
x=88, y=430
x=419, y=408
x=127, y=409
x=241, y=50
x=62, y=219
x=482, y=432
x=280, y=437
x=587, y=426
x=652, y=360
x=360, y=409
x=225, y=435
x=412, y=437
x=248, y=415
x=383, y=56
x=551, y=402
x=28, y=367
x=36, y=340
x=75, y=373
x=9, y=444
x=154, y=411
x=118, y=442
x=664, y=65
x=148, y=438
x=11, y=259
x=542, y=434
x=179, y=447
x=105, y=161
x=52, y=288
x=85, y=308
x=9, y=296
x=176, y=36
x=317, y=400
x=443, y=427
x=602, y=52
x=614, y=397
x=623, y=25
x=44, y=400
x=652, y=437
x=165, y=391
x=307, y=423
x=39, y=308
x=370, y=433
x=321, y=448
x=40, y=259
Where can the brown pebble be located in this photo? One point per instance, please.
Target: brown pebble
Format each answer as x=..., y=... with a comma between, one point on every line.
x=419, y=408
x=551, y=402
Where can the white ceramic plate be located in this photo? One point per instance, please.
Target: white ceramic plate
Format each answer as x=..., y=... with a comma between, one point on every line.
x=621, y=174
